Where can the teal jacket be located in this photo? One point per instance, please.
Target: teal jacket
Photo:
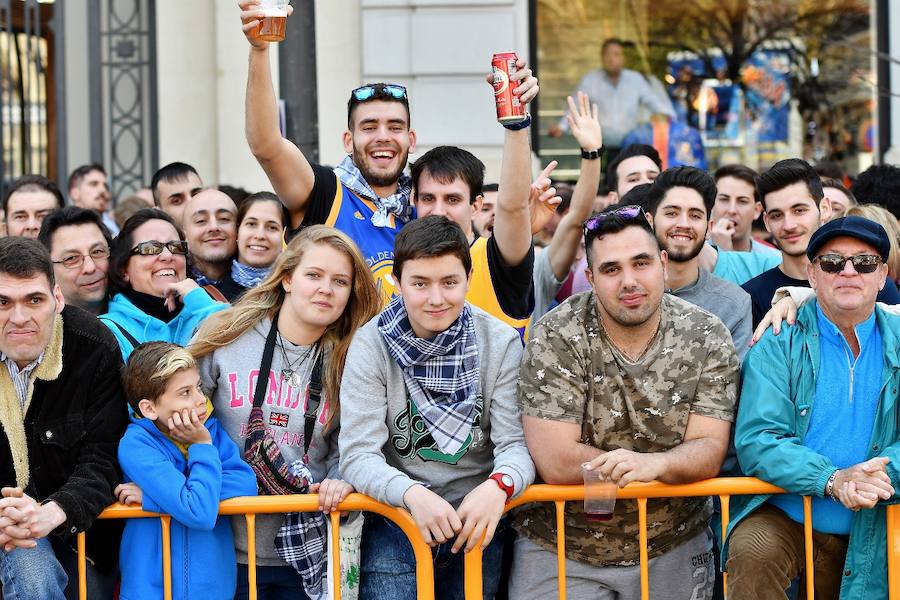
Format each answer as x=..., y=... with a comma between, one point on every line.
x=776, y=404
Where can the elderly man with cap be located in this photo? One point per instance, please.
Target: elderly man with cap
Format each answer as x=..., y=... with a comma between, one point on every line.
x=818, y=416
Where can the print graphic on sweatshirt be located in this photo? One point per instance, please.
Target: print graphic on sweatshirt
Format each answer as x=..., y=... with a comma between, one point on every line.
x=283, y=408
x=412, y=438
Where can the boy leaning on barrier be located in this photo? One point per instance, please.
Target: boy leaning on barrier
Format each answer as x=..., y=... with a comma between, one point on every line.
x=429, y=419
x=641, y=385
x=183, y=463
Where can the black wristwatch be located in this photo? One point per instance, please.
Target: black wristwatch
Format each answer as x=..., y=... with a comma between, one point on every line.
x=591, y=154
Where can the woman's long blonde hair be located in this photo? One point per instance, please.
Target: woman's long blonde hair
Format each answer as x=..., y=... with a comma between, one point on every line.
x=223, y=328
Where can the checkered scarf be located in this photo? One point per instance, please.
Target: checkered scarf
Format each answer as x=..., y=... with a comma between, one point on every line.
x=397, y=203
x=441, y=373
x=301, y=541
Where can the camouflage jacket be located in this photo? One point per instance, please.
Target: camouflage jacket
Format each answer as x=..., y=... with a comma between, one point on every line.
x=571, y=373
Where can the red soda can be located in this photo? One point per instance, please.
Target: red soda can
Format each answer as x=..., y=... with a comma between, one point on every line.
x=509, y=108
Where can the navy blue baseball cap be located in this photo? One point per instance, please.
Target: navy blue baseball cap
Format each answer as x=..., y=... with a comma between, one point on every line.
x=860, y=228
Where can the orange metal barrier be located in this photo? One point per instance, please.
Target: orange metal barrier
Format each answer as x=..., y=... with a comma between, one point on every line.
x=558, y=494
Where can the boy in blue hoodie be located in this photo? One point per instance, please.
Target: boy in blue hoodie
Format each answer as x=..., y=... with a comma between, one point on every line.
x=184, y=463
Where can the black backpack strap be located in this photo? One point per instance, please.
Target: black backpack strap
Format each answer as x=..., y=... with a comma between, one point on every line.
x=315, y=397
x=131, y=339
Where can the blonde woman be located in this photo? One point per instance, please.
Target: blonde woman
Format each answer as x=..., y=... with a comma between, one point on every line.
x=883, y=217
x=294, y=329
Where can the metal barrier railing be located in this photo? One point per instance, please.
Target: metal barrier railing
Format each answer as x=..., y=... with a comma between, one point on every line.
x=558, y=494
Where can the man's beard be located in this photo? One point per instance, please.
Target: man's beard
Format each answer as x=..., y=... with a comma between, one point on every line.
x=681, y=256
x=373, y=179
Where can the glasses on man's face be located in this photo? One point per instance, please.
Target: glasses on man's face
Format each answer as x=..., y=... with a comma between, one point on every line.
x=74, y=261
x=862, y=263
x=367, y=92
x=152, y=248
x=630, y=214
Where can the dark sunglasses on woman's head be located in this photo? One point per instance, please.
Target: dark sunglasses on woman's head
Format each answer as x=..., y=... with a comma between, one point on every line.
x=152, y=248
x=631, y=213
x=367, y=92
x=835, y=263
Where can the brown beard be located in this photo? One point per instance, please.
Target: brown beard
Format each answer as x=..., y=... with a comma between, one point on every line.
x=377, y=180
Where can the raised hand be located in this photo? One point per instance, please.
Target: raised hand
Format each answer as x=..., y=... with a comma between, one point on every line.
x=543, y=200
x=250, y=20
x=584, y=122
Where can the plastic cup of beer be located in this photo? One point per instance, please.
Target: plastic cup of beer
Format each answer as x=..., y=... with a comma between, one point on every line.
x=273, y=21
x=599, y=495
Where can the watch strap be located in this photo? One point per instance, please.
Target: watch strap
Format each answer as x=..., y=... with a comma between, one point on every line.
x=510, y=490
x=592, y=154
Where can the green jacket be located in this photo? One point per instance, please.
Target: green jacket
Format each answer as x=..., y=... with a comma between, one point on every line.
x=776, y=404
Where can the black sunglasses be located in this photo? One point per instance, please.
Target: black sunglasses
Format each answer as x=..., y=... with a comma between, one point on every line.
x=631, y=213
x=153, y=248
x=368, y=92
x=862, y=263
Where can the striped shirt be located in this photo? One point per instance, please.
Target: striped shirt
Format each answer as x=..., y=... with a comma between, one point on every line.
x=21, y=377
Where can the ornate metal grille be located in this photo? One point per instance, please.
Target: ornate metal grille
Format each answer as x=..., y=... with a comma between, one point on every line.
x=123, y=78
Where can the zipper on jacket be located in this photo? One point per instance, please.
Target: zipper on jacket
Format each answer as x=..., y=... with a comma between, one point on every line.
x=847, y=353
x=185, y=564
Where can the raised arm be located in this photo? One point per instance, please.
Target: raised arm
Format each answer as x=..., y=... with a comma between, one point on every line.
x=584, y=121
x=512, y=220
x=289, y=172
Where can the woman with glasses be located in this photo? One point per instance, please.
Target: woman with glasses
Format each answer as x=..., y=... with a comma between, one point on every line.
x=296, y=325
x=152, y=298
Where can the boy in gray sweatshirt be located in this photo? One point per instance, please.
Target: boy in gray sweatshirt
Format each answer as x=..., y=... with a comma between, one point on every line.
x=429, y=419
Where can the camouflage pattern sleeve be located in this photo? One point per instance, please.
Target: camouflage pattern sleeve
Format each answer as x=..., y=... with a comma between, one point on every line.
x=716, y=395
x=552, y=380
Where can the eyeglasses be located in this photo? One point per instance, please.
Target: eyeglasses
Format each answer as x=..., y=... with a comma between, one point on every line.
x=631, y=213
x=862, y=263
x=367, y=92
x=153, y=248
x=74, y=261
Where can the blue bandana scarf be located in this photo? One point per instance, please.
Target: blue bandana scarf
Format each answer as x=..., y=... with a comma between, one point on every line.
x=248, y=277
x=397, y=203
x=441, y=373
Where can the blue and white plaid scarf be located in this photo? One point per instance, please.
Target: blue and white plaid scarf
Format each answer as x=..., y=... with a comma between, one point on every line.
x=301, y=543
x=246, y=276
x=441, y=373
x=397, y=203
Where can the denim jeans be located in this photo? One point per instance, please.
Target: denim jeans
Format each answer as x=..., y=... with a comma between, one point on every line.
x=388, y=566
x=272, y=583
x=32, y=573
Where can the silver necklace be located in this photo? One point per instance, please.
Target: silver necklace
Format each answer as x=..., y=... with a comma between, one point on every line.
x=291, y=372
x=622, y=351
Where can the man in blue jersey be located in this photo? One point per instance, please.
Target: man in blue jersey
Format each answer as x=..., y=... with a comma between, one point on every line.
x=368, y=194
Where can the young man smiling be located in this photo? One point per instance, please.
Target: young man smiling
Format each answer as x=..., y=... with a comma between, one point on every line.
x=429, y=419
x=795, y=206
x=680, y=201
x=367, y=195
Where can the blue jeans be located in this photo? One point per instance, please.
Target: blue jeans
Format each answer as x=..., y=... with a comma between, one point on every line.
x=388, y=565
x=272, y=583
x=32, y=573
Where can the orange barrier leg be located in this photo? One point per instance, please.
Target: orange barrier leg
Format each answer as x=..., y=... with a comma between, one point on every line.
x=561, y=547
x=166, y=522
x=472, y=561
x=645, y=560
x=808, y=543
x=82, y=568
x=251, y=556
x=725, y=501
x=893, y=549
x=336, y=553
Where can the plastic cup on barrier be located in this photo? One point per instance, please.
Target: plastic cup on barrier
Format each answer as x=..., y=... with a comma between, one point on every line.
x=599, y=495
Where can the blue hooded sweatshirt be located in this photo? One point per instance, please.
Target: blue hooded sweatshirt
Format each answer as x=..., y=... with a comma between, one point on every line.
x=197, y=306
x=203, y=561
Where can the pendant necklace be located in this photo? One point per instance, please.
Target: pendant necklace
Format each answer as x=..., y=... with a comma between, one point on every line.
x=290, y=372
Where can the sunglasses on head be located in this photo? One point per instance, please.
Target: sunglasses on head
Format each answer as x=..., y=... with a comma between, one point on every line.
x=153, y=248
x=367, y=92
x=862, y=263
x=630, y=214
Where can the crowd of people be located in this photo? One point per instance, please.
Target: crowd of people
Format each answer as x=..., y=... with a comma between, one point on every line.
x=439, y=344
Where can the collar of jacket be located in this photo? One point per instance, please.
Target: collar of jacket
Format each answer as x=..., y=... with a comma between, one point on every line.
x=12, y=413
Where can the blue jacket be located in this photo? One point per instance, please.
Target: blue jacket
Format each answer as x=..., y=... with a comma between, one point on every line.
x=776, y=405
x=197, y=306
x=203, y=561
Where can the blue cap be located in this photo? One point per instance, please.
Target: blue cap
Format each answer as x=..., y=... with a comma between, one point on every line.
x=863, y=229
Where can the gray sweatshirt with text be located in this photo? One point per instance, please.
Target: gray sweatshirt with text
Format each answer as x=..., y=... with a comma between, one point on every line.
x=385, y=447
